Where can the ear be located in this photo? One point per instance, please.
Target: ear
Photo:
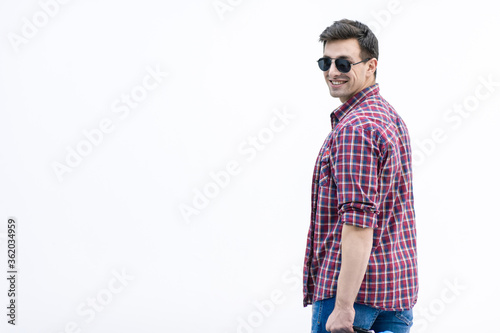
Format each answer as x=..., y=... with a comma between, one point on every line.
x=372, y=66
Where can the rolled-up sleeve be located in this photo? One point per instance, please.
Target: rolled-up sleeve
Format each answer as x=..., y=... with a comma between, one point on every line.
x=356, y=157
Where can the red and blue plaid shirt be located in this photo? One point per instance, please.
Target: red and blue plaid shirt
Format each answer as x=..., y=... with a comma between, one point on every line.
x=363, y=177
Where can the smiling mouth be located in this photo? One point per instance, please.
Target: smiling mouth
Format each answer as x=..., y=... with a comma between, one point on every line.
x=335, y=83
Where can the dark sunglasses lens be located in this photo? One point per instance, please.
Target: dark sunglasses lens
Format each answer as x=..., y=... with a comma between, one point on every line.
x=343, y=65
x=324, y=64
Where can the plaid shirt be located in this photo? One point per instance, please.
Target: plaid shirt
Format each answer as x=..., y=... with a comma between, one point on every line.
x=363, y=177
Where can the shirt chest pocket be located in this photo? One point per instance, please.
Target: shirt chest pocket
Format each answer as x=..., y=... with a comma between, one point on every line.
x=325, y=173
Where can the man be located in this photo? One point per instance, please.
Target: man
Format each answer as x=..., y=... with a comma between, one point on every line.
x=361, y=262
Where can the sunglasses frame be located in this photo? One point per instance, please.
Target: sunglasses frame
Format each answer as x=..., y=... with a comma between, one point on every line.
x=339, y=59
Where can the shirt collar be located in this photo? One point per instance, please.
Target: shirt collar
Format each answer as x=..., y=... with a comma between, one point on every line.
x=345, y=108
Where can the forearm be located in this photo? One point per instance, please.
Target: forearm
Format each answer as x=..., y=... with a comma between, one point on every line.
x=356, y=248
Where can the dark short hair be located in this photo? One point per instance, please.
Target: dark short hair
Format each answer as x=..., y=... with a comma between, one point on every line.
x=347, y=29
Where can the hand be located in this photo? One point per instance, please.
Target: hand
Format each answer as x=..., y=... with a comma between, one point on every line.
x=341, y=320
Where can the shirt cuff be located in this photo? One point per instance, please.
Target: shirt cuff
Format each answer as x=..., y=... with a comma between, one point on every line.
x=360, y=218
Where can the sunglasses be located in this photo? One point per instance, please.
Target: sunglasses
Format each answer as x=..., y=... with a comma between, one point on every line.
x=343, y=65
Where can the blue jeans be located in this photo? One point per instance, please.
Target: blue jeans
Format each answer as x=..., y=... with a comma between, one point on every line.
x=366, y=317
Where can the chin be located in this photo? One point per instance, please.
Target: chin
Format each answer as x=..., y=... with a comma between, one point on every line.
x=337, y=94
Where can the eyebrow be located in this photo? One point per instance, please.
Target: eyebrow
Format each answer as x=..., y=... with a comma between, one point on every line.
x=340, y=57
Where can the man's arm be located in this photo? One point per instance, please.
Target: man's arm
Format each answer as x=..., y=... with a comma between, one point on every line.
x=356, y=248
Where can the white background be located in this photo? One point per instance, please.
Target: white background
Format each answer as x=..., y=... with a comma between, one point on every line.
x=235, y=266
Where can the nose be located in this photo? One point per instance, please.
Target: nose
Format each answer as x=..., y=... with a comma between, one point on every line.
x=333, y=71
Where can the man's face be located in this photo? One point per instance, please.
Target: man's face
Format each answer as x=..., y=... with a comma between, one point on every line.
x=361, y=76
